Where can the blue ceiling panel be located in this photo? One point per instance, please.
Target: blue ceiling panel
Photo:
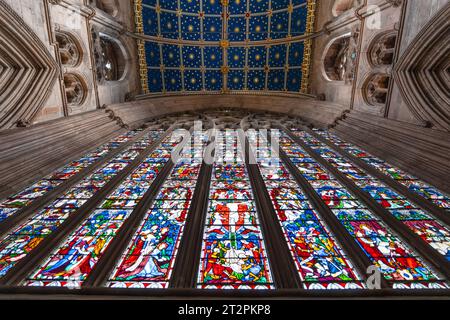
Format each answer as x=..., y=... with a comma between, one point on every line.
x=192, y=6
x=152, y=51
x=256, y=80
x=236, y=80
x=294, y=80
x=238, y=6
x=237, y=28
x=190, y=28
x=193, y=80
x=259, y=6
x=276, y=80
x=259, y=27
x=213, y=80
x=296, y=54
x=169, y=4
x=279, y=25
x=212, y=28
x=172, y=80
x=192, y=56
x=213, y=57
x=155, y=80
x=236, y=57
x=169, y=25
x=171, y=55
x=298, y=22
x=150, y=21
x=277, y=56
x=257, y=57
x=262, y=52
x=212, y=6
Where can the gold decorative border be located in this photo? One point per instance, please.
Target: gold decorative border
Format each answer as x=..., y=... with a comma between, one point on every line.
x=143, y=68
x=307, y=56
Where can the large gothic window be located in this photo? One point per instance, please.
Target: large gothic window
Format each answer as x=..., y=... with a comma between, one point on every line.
x=109, y=57
x=149, y=210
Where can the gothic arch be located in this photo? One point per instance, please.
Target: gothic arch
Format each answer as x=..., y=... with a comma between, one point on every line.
x=422, y=73
x=375, y=89
x=110, y=57
x=338, y=62
x=75, y=89
x=382, y=48
x=70, y=50
x=27, y=70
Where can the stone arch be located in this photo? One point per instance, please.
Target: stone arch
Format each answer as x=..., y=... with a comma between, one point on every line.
x=69, y=49
x=110, y=57
x=335, y=60
x=376, y=88
x=27, y=70
x=423, y=72
x=75, y=89
x=382, y=49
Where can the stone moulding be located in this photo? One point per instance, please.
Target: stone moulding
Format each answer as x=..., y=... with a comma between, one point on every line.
x=422, y=72
x=27, y=70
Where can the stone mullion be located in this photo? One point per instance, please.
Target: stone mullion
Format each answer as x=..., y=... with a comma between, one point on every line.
x=284, y=271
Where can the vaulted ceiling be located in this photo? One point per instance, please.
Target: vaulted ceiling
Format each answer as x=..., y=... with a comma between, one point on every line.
x=224, y=45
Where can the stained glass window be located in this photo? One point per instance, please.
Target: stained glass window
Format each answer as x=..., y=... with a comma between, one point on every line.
x=318, y=256
x=233, y=250
x=71, y=262
x=23, y=239
x=420, y=222
x=398, y=263
x=134, y=189
x=412, y=183
x=22, y=199
x=149, y=258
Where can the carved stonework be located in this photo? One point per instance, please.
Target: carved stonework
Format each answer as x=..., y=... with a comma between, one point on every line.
x=422, y=73
x=75, y=89
x=69, y=49
x=27, y=71
x=376, y=89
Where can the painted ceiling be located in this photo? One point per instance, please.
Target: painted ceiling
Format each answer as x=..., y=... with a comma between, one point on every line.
x=224, y=45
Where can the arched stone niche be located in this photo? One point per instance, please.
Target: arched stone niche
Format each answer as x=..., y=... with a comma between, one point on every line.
x=110, y=57
x=69, y=49
x=376, y=88
x=340, y=57
x=382, y=49
x=75, y=89
x=110, y=7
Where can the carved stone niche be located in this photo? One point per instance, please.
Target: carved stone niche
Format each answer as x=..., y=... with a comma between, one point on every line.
x=375, y=89
x=382, y=49
x=75, y=89
x=340, y=58
x=422, y=74
x=69, y=49
x=110, y=61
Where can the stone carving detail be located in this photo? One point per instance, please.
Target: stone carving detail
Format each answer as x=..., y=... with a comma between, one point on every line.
x=340, y=59
x=27, y=70
x=382, y=49
x=75, y=89
x=376, y=89
x=341, y=6
x=423, y=72
x=109, y=59
x=69, y=49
